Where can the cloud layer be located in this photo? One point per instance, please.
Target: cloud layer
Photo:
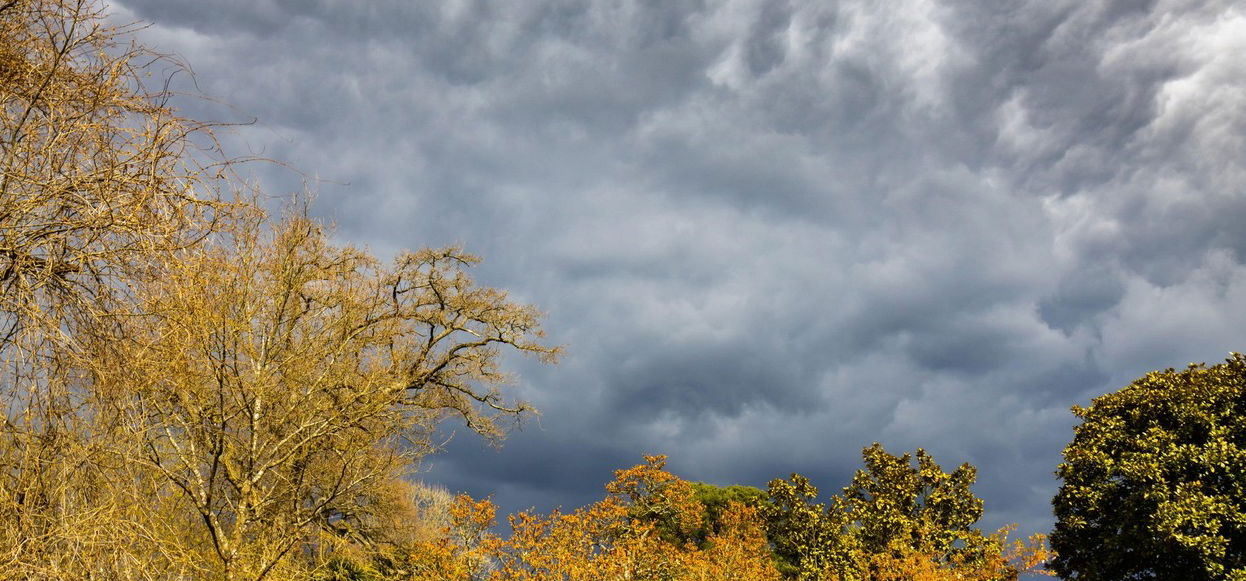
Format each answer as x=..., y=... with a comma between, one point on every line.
x=771, y=233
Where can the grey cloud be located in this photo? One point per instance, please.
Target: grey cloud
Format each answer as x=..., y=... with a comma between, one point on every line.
x=700, y=379
x=773, y=232
x=1082, y=296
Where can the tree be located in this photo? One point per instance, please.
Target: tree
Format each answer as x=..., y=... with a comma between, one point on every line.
x=716, y=501
x=100, y=181
x=98, y=175
x=191, y=390
x=278, y=380
x=1154, y=481
x=893, y=503
x=896, y=520
x=807, y=537
x=622, y=537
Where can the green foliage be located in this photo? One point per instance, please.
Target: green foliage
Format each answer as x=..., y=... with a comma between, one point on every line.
x=807, y=539
x=715, y=499
x=892, y=507
x=894, y=503
x=342, y=569
x=1154, y=481
x=714, y=502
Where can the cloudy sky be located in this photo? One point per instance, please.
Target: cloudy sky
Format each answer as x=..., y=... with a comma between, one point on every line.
x=772, y=232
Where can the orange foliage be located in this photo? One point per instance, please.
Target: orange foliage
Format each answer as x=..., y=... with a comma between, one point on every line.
x=627, y=535
x=463, y=550
x=739, y=550
x=635, y=533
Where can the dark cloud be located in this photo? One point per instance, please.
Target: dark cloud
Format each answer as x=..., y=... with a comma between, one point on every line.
x=771, y=233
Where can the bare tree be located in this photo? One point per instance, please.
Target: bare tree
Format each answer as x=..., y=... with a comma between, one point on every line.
x=280, y=379
x=98, y=175
x=99, y=182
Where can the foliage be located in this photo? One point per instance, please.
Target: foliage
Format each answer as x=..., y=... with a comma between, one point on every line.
x=807, y=537
x=715, y=502
x=341, y=569
x=459, y=550
x=906, y=564
x=658, y=498
x=646, y=529
x=892, y=502
x=620, y=537
x=1154, y=481
x=895, y=519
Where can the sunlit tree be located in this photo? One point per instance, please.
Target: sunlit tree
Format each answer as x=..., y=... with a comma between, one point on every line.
x=635, y=533
x=100, y=182
x=902, y=517
x=279, y=379
x=1154, y=481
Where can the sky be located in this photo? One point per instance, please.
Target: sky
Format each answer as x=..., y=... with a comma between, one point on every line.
x=770, y=233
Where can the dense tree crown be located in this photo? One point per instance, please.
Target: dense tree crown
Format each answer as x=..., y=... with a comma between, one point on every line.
x=896, y=520
x=1154, y=481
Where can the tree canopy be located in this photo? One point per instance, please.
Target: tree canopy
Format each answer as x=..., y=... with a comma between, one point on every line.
x=895, y=520
x=1154, y=481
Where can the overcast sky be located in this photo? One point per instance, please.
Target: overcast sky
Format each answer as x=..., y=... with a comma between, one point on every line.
x=770, y=233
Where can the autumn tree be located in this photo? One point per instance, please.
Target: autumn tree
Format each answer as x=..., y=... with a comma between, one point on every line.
x=1154, y=481
x=189, y=389
x=907, y=564
x=622, y=537
x=280, y=379
x=98, y=174
x=100, y=181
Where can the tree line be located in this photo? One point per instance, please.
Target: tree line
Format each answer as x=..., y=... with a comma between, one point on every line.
x=193, y=388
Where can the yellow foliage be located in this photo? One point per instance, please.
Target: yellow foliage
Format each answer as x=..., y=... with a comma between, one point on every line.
x=903, y=563
x=621, y=537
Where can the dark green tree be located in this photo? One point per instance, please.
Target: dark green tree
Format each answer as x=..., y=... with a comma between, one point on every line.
x=714, y=502
x=1154, y=481
x=716, y=499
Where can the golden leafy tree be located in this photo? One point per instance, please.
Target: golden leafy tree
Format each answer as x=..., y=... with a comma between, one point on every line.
x=189, y=390
x=98, y=175
x=906, y=563
x=631, y=534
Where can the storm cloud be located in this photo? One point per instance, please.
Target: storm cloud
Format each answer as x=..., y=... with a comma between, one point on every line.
x=771, y=233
